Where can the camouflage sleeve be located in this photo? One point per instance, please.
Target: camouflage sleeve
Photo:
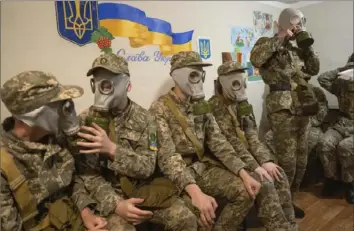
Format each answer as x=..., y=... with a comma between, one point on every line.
x=318, y=119
x=170, y=162
x=221, y=148
x=257, y=148
x=80, y=196
x=329, y=81
x=264, y=49
x=10, y=217
x=312, y=62
x=139, y=163
x=96, y=185
x=228, y=130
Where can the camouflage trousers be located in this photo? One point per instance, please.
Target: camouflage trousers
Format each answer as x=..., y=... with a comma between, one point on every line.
x=175, y=218
x=274, y=205
x=336, y=151
x=314, y=137
x=290, y=134
x=224, y=185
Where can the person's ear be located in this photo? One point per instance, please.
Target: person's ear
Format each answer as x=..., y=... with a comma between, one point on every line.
x=129, y=87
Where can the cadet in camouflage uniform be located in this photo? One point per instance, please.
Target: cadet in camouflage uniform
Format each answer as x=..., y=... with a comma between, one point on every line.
x=337, y=144
x=284, y=66
x=126, y=141
x=185, y=123
x=36, y=169
x=236, y=120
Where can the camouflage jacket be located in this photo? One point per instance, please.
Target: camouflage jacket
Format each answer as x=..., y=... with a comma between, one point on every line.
x=174, y=144
x=134, y=159
x=257, y=153
x=278, y=62
x=317, y=120
x=343, y=89
x=48, y=169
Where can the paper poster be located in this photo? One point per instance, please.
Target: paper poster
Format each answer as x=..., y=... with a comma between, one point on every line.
x=243, y=40
x=204, y=48
x=263, y=24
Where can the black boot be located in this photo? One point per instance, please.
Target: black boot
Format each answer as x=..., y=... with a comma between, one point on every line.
x=331, y=188
x=349, y=191
x=299, y=213
x=243, y=226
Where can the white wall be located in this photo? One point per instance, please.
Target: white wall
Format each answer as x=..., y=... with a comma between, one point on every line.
x=30, y=41
x=331, y=24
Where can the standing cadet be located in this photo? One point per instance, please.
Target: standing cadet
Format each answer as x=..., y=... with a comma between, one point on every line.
x=185, y=123
x=37, y=170
x=236, y=120
x=337, y=145
x=284, y=65
x=124, y=135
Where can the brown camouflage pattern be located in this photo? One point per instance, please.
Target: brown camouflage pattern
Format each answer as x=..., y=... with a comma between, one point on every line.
x=187, y=59
x=279, y=61
x=48, y=168
x=230, y=66
x=274, y=202
x=30, y=90
x=337, y=145
x=112, y=62
x=135, y=160
x=175, y=151
x=315, y=131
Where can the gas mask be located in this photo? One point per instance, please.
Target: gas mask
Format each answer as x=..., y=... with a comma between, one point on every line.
x=69, y=122
x=190, y=81
x=234, y=86
x=290, y=17
x=46, y=117
x=111, y=92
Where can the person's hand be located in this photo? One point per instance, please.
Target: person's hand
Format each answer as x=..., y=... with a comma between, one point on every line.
x=282, y=33
x=128, y=211
x=262, y=173
x=273, y=170
x=205, y=204
x=99, y=141
x=92, y=221
x=252, y=186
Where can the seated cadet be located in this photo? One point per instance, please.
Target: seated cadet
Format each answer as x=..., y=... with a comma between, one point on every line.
x=36, y=170
x=236, y=120
x=125, y=138
x=336, y=148
x=185, y=123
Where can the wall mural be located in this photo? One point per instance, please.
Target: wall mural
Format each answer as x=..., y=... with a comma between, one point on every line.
x=84, y=22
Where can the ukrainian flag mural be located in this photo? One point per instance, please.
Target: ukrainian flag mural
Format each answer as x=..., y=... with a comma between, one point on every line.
x=83, y=22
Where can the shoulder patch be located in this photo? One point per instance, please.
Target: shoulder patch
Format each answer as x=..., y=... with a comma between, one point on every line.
x=152, y=134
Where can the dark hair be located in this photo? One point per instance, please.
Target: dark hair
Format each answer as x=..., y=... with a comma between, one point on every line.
x=8, y=123
x=351, y=59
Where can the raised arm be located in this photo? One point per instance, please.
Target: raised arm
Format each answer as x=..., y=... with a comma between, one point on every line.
x=170, y=162
x=10, y=217
x=311, y=60
x=329, y=81
x=264, y=49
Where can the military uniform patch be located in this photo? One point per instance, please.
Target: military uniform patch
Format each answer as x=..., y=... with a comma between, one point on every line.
x=153, y=140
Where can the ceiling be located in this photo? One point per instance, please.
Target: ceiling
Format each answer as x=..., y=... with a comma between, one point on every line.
x=289, y=3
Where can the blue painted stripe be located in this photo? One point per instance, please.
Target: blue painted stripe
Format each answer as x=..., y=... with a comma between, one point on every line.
x=182, y=38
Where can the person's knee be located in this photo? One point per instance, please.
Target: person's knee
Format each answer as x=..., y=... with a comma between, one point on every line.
x=241, y=196
x=187, y=220
x=328, y=143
